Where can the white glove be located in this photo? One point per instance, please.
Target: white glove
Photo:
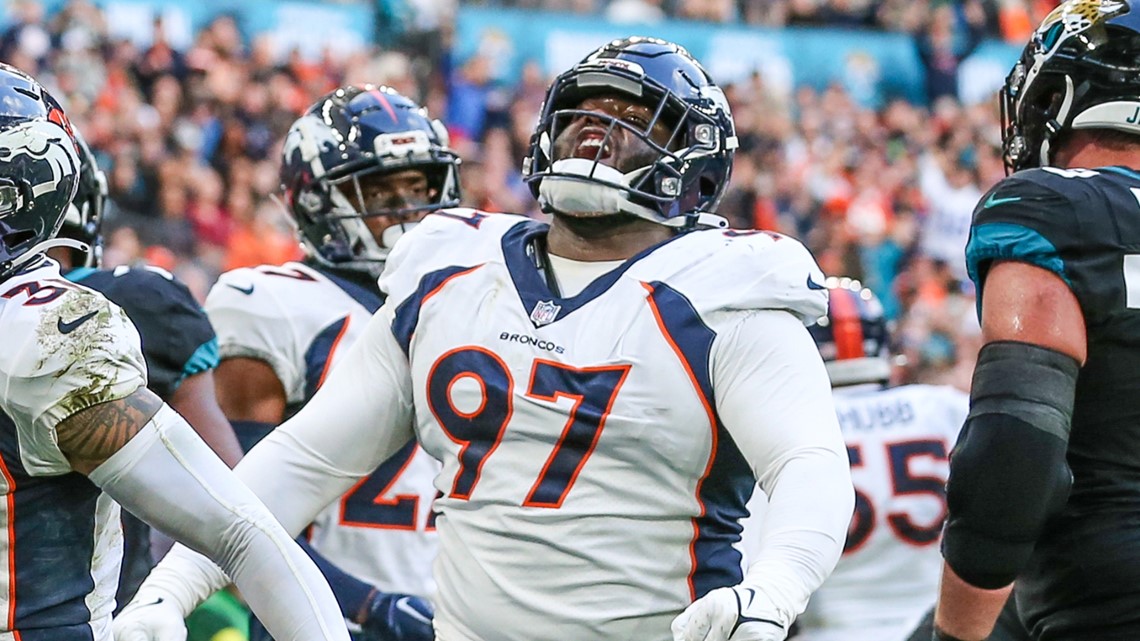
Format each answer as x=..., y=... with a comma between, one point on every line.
x=149, y=618
x=722, y=615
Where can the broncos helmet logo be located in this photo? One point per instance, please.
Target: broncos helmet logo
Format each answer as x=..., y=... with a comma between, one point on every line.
x=38, y=140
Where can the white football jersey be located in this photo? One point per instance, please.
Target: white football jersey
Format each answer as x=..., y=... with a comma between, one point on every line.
x=898, y=441
x=65, y=348
x=300, y=320
x=546, y=410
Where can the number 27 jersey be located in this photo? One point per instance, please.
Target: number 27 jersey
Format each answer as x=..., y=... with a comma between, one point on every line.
x=300, y=319
x=589, y=489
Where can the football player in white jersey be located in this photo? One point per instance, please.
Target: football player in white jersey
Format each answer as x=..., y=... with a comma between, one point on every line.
x=897, y=440
x=79, y=430
x=281, y=329
x=178, y=342
x=604, y=392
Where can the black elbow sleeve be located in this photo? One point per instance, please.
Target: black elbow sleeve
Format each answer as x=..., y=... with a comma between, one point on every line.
x=1008, y=472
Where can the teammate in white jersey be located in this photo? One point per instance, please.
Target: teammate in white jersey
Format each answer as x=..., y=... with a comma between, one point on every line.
x=282, y=328
x=897, y=440
x=76, y=420
x=178, y=343
x=604, y=392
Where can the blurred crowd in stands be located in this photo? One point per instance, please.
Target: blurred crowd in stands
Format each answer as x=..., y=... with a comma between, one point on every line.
x=189, y=140
x=1009, y=19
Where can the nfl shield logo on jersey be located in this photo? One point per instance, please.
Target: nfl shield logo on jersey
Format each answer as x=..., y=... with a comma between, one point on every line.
x=545, y=312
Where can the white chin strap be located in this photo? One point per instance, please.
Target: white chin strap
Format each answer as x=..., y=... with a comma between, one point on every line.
x=37, y=250
x=1045, y=157
x=568, y=194
x=391, y=234
x=565, y=192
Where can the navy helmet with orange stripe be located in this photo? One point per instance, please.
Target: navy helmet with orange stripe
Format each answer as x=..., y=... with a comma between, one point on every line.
x=347, y=139
x=853, y=337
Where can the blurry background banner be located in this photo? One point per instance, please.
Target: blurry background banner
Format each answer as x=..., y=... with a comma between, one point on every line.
x=308, y=26
x=872, y=66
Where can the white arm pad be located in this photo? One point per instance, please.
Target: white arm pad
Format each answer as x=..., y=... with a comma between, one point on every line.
x=168, y=477
x=774, y=398
x=358, y=418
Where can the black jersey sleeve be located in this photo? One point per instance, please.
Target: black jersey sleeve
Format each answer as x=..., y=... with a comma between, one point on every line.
x=177, y=338
x=1038, y=217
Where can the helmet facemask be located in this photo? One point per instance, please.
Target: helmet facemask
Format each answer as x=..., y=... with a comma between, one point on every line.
x=84, y=217
x=687, y=142
x=1081, y=70
x=329, y=183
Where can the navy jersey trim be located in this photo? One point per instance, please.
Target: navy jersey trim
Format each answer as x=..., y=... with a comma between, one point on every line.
x=407, y=314
x=724, y=492
x=370, y=299
x=319, y=354
x=51, y=525
x=532, y=288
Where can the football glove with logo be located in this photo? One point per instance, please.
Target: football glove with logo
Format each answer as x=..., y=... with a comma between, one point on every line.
x=398, y=617
x=149, y=618
x=729, y=614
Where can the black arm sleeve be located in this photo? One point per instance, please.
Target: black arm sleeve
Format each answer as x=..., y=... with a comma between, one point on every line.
x=1008, y=473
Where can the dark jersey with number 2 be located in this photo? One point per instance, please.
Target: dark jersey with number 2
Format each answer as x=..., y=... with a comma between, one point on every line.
x=1084, y=226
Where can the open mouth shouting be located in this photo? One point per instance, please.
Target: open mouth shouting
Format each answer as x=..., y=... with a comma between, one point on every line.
x=593, y=144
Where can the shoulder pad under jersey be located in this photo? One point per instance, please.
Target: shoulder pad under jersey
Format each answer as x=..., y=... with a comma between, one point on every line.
x=66, y=348
x=444, y=239
x=740, y=270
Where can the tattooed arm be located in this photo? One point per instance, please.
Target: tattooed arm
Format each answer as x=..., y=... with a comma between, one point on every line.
x=89, y=437
x=79, y=403
x=146, y=457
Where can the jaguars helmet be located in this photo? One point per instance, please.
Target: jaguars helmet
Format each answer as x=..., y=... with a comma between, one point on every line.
x=39, y=169
x=681, y=185
x=346, y=135
x=1080, y=70
x=853, y=338
x=85, y=213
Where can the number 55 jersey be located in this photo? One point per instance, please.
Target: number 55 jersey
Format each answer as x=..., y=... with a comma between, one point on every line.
x=590, y=487
x=898, y=441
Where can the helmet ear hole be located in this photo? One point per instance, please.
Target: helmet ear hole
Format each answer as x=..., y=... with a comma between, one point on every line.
x=18, y=237
x=708, y=187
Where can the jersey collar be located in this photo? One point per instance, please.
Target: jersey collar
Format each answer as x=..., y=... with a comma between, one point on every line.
x=539, y=302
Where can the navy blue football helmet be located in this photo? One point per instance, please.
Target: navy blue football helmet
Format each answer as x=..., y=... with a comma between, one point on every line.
x=853, y=338
x=85, y=213
x=39, y=169
x=684, y=181
x=1080, y=70
x=346, y=136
